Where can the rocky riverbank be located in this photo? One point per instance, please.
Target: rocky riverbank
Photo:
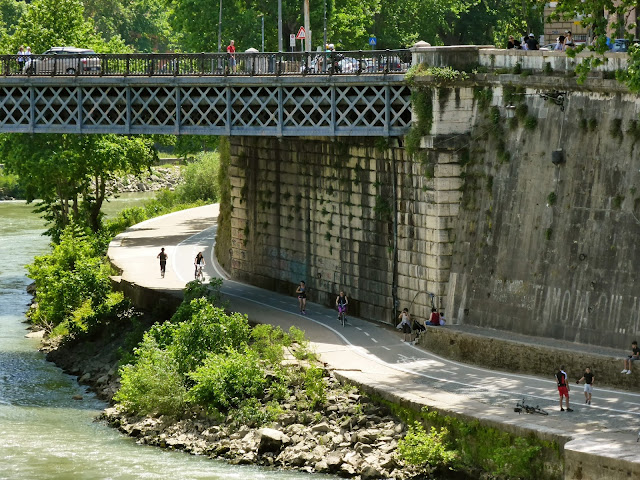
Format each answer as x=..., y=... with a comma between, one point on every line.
x=350, y=436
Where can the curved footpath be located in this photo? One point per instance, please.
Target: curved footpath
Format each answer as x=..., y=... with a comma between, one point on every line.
x=600, y=441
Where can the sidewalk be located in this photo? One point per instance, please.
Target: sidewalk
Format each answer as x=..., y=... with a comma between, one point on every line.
x=600, y=439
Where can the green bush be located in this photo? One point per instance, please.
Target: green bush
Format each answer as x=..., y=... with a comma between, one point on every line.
x=227, y=379
x=10, y=185
x=72, y=274
x=515, y=460
x=200, y=179
x=315, y=388
x=152, y=385
x=269, y=342
x=421, y=448
x=202, y=328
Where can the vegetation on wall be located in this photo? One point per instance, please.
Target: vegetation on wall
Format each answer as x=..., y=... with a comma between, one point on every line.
x=223, y=234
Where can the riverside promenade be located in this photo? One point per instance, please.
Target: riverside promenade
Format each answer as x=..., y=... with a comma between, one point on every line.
x=599, y=441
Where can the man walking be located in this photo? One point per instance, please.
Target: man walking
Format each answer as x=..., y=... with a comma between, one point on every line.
x=563, y=388
x=588, y=378
x=231, y=50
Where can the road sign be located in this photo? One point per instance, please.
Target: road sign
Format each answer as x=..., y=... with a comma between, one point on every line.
x=373, y=40
x=301, y=34
x=292, y=40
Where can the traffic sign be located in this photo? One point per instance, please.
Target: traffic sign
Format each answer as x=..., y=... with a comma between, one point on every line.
x=373, y=40
x=301, y=34
x=292, y=40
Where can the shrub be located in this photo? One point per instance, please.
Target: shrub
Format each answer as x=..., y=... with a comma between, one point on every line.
x=421, y=448
x=226, y=379
x=72, y=274
x=200, y=179
x=202, y=328
x=152, y=385
x=315, y=387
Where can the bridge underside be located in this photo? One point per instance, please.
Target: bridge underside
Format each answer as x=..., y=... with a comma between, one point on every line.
x=299, y=106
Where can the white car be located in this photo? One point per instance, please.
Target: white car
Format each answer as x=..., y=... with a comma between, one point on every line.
x=62, y=60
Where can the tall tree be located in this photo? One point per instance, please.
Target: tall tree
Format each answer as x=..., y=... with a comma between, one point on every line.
x=69, y=174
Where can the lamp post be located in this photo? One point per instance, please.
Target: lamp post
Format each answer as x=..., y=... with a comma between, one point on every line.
x=220, y=28
x=262, y=15
x=279, y=25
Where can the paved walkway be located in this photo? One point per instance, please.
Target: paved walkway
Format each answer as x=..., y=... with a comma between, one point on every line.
x=375, y=355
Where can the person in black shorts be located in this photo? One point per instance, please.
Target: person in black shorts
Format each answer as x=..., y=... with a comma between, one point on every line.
x=588, y=378
x=301, y=291
x=163, y=261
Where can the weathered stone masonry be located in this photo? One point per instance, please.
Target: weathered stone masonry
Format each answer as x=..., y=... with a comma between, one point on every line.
x=485, y=221
x=322, y=211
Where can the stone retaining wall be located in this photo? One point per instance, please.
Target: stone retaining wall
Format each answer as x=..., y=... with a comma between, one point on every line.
x=516, y=357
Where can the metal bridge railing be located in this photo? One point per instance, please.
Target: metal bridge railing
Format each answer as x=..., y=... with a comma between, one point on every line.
x=210, y=64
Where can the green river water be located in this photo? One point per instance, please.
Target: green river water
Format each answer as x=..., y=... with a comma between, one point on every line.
x=44, y=433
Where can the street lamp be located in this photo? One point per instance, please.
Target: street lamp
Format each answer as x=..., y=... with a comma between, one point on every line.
x=262, y=15
x=220, y=28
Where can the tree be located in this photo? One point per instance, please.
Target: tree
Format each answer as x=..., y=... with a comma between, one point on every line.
x=10, y=13
x=143, y=24
x=69, y=174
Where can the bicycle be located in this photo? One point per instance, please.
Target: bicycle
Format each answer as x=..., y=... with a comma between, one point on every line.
x=200, y=273
x=523, y=407
x=342, y=314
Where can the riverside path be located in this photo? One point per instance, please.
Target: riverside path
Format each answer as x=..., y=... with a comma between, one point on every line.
x=600, y=437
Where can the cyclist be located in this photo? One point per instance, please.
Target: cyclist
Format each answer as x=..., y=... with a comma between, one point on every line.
x=163, y=261
x=199, y=263
x=341, y=302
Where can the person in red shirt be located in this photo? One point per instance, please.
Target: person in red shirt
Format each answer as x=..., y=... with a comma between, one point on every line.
x=231, y=50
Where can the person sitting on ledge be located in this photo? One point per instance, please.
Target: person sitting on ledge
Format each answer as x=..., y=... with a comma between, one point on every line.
x=635, y=355
x=434, y=319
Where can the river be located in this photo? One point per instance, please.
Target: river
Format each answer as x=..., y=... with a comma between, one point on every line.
x=44, y=433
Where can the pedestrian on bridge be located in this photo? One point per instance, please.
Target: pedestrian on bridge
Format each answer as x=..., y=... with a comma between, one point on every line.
x=163, y=261
x=301, y=291
x=231, y=50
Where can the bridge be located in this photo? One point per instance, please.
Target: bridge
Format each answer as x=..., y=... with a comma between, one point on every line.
x=249, y=94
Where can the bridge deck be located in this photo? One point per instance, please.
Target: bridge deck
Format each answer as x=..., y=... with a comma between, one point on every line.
x=295, y=105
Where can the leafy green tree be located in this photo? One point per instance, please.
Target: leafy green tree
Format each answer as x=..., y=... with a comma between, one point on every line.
x=49, y=23
x=143, y=24
x=69, y=174
x=73, y=274
x=11, y=12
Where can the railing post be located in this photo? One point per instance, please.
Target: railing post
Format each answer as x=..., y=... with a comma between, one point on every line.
x=278, y=64
x=201, y=63
x=386, y=68
x=359, y=62
x=126, y=72
x=78, y=65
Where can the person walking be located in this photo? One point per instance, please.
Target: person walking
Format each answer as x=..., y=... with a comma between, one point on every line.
x=301, y=291
x=231, y=51
x=163, y=261
x=405, y=324
x=563, y=388
x=21, y=58
x=588, y=378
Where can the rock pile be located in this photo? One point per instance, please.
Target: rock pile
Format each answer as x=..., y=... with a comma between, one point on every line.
x=157, y=179
x=350, y=436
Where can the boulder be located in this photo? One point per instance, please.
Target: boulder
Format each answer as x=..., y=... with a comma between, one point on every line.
x=271, y=440
x=321, y=428
x=371, y=472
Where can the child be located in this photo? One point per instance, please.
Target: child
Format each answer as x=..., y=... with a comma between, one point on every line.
x=588, y=378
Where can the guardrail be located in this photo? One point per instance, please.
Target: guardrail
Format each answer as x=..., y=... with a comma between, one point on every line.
x=209, y=64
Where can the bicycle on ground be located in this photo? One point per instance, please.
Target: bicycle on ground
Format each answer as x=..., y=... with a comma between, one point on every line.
x=523, y=407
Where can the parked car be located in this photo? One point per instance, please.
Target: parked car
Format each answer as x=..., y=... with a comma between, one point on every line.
x=63, y=60
x=548, y=47
x=620, y=45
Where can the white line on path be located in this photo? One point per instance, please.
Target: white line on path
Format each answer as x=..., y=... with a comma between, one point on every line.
x=374, y=340
x=386, y=348
x=367, y=334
